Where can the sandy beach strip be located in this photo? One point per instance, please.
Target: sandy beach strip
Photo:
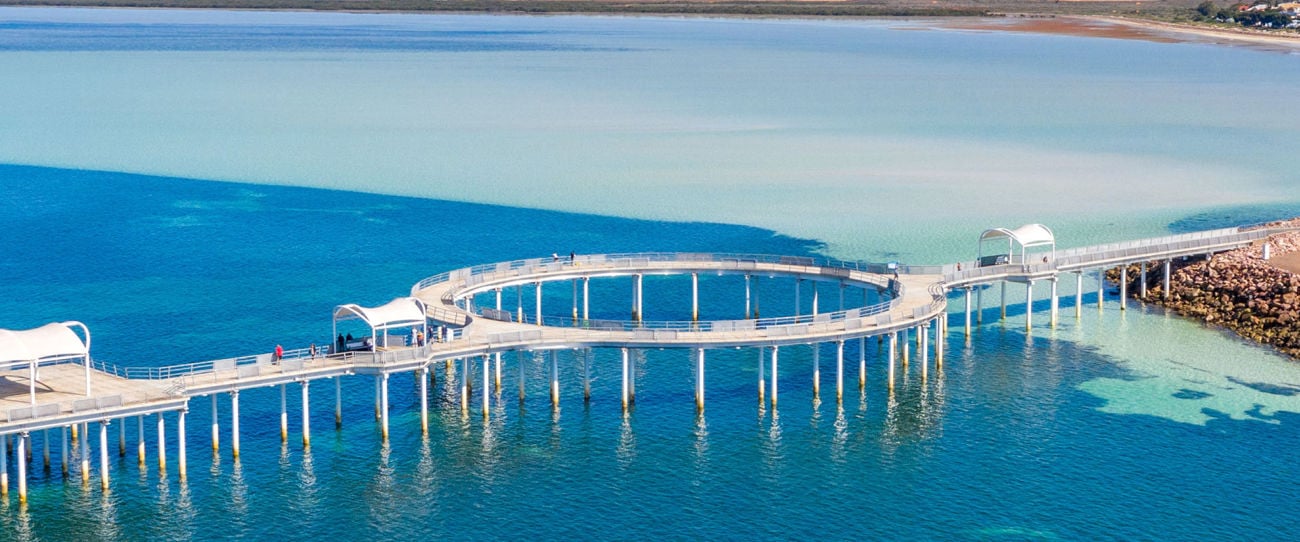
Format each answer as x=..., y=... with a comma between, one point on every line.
x=1097, y=26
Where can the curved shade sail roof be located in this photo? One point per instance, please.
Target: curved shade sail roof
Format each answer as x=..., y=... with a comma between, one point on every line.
x=400, y=312
x=1029, y=235
x=54, y=341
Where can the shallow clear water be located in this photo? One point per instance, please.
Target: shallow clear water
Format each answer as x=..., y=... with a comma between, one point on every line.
x=881, y=142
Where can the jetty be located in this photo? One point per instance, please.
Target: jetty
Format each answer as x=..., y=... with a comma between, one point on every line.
x=49, y=382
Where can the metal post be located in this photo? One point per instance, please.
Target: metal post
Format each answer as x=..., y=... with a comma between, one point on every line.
x=775, y=352
x=162, y=446
x=699, y=380
x=284, y=417
x=537, y=288
x=839, y=372
x=586, y=298
x=424, y=400
x=234, y=423
x=180, y=443
x=306, y=414
x=383, y=399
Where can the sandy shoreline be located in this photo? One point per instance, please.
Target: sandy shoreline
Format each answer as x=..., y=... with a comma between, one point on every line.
x=1099, y=26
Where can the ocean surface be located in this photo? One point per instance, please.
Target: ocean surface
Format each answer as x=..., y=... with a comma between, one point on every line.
x=371, y=151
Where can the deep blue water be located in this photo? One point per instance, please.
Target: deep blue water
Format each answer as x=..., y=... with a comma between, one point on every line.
x=999, y=445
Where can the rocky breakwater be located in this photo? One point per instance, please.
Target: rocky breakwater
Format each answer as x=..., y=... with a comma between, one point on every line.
x=1238, y=290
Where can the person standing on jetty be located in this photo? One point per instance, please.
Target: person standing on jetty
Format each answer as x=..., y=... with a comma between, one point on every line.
x=279, y=354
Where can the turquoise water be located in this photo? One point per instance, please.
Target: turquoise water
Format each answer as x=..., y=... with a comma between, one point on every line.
x=859, y=139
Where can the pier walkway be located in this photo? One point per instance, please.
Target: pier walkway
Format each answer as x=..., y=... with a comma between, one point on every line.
x=908, y=300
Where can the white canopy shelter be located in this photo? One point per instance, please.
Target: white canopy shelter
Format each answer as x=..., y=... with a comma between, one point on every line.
x=48, y=344
x=1027, y=236
x=398, y=313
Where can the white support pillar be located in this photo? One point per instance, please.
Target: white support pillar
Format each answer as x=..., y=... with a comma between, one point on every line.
x=234, y=424
x=464, y=385
x=923, y=348
x=424, y=400
x=940, y=331
x=4, y=465
x=180, y=443
x=284, y=416
x=631, y=384
x=839, y=371
x=775, y=353
x=162, y=446
x=640, y=298
x=906, y=344
x=519, y=302
x=20, y=458
x=338, y=403
x=377, y=414
x=383, y=400
x=1123, y=287
x=63, y=457
x=306, y=414
x=537, y=289
x=575, y=299
x=487, y=373
x=816, y=301
x=695, y=297
x=85, y=453
x=555, y=379
x=625, y=368
x=979, y=306
x=798, y=287
x=586, y=298
x=862, y=363
x=496, y=369
x=1055, y=302
x=497, y=291
x=762, y=380
x=139, y=438
x=1142, y=282
x=1078, y=294
x=103, y=455
x=121, y=440
x=747, y=294
x=1029, y=305
x=1165, y=292
x=758, y=311
x=1101, y=289
x=519, y=356
x=968, y=311
x=1004, y=300
x=817, y=372
x=586, y=375
x=893, y=344
x=699, y=380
